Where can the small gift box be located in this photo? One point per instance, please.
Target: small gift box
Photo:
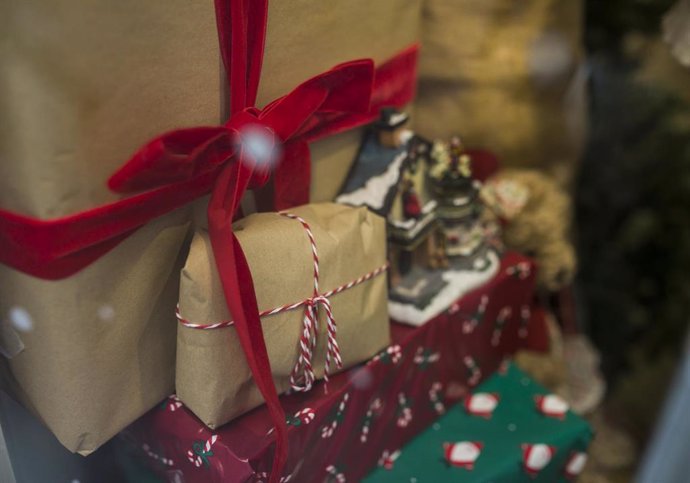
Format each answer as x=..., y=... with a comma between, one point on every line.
x=320, y=282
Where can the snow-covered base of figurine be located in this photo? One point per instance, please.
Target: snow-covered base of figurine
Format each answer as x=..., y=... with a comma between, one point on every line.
x=458, y=283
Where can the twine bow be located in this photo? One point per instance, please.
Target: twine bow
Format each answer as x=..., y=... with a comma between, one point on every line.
x=302, y=377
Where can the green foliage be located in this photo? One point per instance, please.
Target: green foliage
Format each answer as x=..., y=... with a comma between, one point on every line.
x=633, y=215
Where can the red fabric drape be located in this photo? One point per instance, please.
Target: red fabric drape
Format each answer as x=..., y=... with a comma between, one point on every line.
x=182, y=165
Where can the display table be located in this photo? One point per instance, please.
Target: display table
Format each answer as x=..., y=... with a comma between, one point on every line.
x=367, y=410
x=511, y=430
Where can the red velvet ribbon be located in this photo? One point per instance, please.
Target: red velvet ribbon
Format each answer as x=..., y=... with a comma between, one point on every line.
x=182, y=165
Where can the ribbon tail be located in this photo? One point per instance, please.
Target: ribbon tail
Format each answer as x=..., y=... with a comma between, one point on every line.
x=240, y=297
x=293, y=176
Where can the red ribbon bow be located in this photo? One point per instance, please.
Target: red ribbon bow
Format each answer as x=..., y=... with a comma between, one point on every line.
x=182, y=165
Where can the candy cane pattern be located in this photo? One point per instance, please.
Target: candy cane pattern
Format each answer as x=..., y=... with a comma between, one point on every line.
x=424, y=357
x=374, y=409
x=328, y=430
x=525, y=317
x=155, y=456
x=391, y=355
x=404, y=411
x=300, y=418
x=200, y=451
x=520, y=270
x=302, y=377
x=173, y=403
x=473, y=368
x=387, y=459
x=469, y=325
x=263, y=478
x=335, y=474
x=436, y=398
x=501, y=320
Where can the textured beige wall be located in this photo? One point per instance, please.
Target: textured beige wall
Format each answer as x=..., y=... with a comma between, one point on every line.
x=507, y=75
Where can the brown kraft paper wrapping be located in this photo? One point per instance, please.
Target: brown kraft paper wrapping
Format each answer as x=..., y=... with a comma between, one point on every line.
x=83, y=85
x=213, y=378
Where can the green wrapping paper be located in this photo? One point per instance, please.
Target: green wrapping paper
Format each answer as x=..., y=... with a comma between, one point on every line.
x=510, y=430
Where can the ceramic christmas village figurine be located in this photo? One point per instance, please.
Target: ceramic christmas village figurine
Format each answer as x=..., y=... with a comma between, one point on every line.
x=427, y=194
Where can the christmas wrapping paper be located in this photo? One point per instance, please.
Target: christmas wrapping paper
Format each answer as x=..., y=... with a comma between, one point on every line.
x=508, y=430
x=213, y=378
x=84, y=85
x=367, y=410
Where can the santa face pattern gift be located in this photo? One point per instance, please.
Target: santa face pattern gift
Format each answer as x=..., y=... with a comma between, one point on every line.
x=319, y=273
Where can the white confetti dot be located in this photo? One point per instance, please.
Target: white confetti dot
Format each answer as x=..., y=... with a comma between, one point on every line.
x=436, y=426
x=512, y=427
x=261, y=145
x=75, y=481
x=106, y=312
x=525, y=381
x=21, y=319
x=413, y=480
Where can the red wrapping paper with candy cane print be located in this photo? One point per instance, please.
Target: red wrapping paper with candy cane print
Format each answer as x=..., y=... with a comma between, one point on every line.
x=318, y=267
x=371, y=410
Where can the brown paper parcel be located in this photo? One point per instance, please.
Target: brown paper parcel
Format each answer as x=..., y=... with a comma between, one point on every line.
x=83, y=85
x=213, y=378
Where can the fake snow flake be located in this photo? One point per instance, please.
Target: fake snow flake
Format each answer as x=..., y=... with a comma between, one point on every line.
x=474, y=372
x=328, y=430
x=21, y=319
x=462, y=454
x=391, y=355
x=500, y=325
x=387, y=459
x=525, y=317
x=106, y=313
x=520, y=270
x=482, y=404
x=469, y=325
x=512, y=427
x=454, y=309
x=404, y=411
x=552, y=406
x=260, y=142
x=201, y=452
x=335, y=474
x=155, y=456
x=425, y=357
x=373, y=411
x=536, y=457
x=436, y=397
x=575, y=464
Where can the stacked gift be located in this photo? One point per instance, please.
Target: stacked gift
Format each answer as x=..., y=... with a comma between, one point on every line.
x=509, y=429
x=100, y=324
x=370, y=409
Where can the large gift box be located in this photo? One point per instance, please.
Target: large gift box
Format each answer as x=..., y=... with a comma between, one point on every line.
x=508, y=430
x=319, y=268
x=90, y=278
x=367, y=411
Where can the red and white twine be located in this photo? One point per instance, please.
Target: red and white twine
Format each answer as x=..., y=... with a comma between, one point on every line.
x=302, y=377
